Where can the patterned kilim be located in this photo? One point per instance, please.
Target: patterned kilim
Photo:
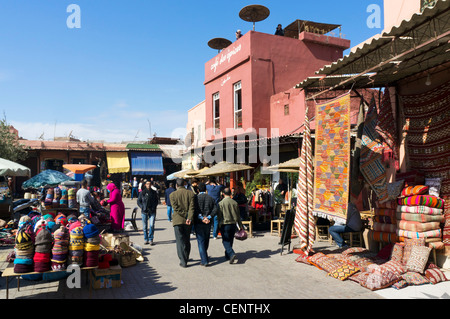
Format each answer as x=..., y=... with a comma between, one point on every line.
x=304, y=222
x=387, y=128
x=332, y=158
x=427, y=118
x=372, y=149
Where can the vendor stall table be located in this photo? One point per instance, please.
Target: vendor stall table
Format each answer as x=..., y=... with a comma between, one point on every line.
x=9, y=272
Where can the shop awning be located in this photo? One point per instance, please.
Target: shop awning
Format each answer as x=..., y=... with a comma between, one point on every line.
x=117, y=162
x=144, y=163
x=413, y=47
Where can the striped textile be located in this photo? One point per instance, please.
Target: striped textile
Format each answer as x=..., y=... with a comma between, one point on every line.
x=385, y=212
x=304, y=222
x=422, y=200
x=383, y=237
x=392, y=204
x=417, y=226
x=383, y=219
x=423, y=218
x=387, y=228
x=437, y=233
x=419, y=210
x=371, y=162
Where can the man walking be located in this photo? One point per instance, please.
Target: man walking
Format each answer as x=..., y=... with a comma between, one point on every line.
x=207, y=209
x=183, y=204
x=228, y=218
x=134, y=187
x=147, y=202
x=167, y=193
x=214, y=190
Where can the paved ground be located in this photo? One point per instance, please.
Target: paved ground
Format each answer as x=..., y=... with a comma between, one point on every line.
x=260, y=273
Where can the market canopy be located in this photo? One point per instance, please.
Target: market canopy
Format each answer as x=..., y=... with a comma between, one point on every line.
x=224, y=168
x=10, y=168
x=47, y=178
x=79, y=168
x=144, y=163
x=176, y=175
x=117, y=162
x=413, y=47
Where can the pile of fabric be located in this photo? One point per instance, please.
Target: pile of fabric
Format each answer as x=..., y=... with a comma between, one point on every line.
x=48, y=201
x=397, y=265
x=64, y=201
x=72, y=201
x=60, y=248
x=91, y=245
x=24, y=247
x=385, y=223
x=420, y=215
x=76, y=244
x=57, y=197
x=43, y=249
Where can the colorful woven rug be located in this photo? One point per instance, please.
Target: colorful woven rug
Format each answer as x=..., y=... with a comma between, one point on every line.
x=371, y=164
x=304, y=222
x=332, y=158
x=427, y=129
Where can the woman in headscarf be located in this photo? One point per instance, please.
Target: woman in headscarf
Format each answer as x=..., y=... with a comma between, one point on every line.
x=117, y=208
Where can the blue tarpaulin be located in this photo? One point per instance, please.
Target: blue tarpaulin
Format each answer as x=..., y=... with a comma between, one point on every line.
x=146, y=163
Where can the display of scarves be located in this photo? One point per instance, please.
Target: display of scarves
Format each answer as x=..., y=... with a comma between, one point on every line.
x=387, y=128
x=332, y=158
x=371, y=163
x=304, y=222
x=427, y=130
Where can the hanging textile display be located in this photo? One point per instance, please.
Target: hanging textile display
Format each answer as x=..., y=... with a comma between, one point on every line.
x=387, y=128
x=371, y=163
x=332, y=158
x=427, y=130
x=304, y=222
x=357, y=180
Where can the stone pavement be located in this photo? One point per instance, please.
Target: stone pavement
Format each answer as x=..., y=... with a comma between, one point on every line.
x=260, y=273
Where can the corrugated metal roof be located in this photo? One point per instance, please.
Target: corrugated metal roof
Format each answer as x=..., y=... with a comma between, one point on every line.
x=415, y=45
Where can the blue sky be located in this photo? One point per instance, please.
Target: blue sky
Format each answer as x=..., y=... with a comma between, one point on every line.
x=132, y=61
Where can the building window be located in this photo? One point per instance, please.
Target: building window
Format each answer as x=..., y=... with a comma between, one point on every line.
x=286, y=109
x=237, y=105
x=216, y=112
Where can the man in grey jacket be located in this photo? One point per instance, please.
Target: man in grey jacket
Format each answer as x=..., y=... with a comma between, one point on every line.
x=229, y=216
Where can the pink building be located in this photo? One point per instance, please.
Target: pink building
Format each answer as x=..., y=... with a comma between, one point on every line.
x=240, y=81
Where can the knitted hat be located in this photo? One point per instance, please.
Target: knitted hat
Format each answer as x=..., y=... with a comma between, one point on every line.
x=61, y=219
x=90, y=230
x=48, y=217
x=43, y=236
x=25, y=219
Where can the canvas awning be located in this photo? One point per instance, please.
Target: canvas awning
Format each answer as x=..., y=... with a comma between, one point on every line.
x=414, y=46
x=144, y=163
x=117, y=162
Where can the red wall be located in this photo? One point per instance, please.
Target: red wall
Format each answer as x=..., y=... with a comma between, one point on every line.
x=266, y=65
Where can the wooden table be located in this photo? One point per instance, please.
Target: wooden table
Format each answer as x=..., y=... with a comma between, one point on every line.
x=9, y=272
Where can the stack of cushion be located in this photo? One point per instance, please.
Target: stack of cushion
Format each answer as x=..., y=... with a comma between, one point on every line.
x=91, y=245
x=76, y=244
x=72, y=202
x=24, y=249
x=48, y=201
x=384, y=222
x=64, y=202
x=57, y=197
x=419, y=215
x=43, y=249
x=60, y=249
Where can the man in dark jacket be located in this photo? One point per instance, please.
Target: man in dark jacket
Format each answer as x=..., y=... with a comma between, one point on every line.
x=183, y=204
x=147, y=202
x=206, y=210
x=167, y=193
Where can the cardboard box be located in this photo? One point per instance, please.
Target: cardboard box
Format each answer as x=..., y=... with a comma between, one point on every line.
x=106, y=278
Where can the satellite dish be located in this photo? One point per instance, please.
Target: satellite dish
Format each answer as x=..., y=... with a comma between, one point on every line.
x=254, y=13
x=219, y=43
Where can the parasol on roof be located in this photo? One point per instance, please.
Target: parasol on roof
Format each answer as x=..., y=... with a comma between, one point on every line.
x=290, y=166
x=254, y=13
x=223, y=168
x=178, y=174
x=10, y=168
x=48, y=178
x=79, y=168
x=219, y=43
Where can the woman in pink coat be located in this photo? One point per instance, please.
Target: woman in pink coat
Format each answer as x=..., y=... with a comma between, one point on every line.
x=117, y=207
